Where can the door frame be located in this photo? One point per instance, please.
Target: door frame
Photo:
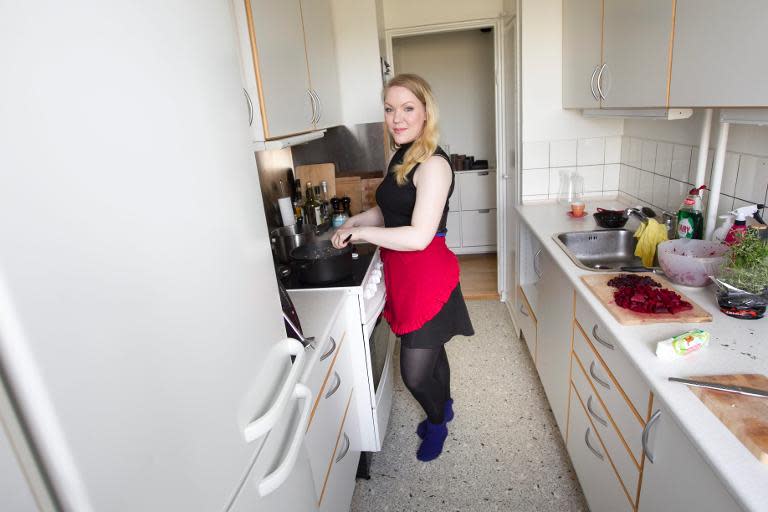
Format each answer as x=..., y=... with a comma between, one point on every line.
x=502, y=202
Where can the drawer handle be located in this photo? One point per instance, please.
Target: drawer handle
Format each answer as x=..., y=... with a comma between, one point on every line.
x=598, y=379
x=536, y=263
x=345, y=449
x=335, y=388
x=594, y=414
x=484, y=173
x=522, y=310
x=484, y=210
x=647, y=431
x=599, y=339
x=330, y=350
x=589, y=445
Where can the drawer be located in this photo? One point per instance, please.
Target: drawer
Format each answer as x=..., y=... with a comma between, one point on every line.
x=623, y=463
x=630, y=425
x=599, y=481
x=527, y=322
x=328, y=410
x=478, y=228
x=629, y=378
x=477, y=190
x=317, y=370
x=336, y=495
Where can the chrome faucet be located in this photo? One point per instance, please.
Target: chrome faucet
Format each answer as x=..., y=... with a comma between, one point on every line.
x=636, y=211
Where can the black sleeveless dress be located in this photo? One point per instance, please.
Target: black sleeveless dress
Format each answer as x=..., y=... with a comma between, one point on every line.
x=397, y=204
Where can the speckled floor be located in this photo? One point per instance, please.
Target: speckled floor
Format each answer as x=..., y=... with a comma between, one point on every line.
x=503, y=451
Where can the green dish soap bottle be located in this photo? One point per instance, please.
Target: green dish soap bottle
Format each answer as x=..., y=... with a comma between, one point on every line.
x=690, y=220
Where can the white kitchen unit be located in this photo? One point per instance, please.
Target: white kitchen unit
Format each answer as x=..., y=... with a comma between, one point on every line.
x=288, y=60
x=637, y=441
x=472, y=212
x=582, y=52
x=718, y=54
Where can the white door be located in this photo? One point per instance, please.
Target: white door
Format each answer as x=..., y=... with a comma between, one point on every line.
x=509, y=175
x=137, y=291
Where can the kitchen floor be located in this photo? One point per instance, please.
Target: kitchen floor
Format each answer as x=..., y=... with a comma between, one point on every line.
x=478, y=276
x=503, y=451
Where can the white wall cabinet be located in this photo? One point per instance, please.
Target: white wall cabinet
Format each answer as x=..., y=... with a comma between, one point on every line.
x=674, y=457
x=582, y=52
x=472, y=209
x=289, y=66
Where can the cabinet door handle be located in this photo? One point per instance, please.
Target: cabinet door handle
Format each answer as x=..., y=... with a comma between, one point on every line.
x=250, y=107
x=594, y=414
x=484, y=210
x=600, y=79
x=599, y=339
x=536, y=263
x=589, y=445
x=336, y=387
x=598, y=379
x=275, y=479
x=314, y=106
x=522, y=310
x=319, y=106
x=647, y=431
x=484, y=173
x=592, y=84
x=330, y=350
x=345, y=449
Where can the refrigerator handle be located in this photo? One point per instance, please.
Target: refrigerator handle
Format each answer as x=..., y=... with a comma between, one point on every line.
x=276, y=478
x=285, y=348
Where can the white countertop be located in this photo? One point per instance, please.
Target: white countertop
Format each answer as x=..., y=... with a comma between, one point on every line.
x=736, y=346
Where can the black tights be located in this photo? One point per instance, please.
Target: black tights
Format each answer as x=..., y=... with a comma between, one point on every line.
x=427, y=376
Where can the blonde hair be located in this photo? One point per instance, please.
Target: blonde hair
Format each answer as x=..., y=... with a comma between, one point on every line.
x=426, y=143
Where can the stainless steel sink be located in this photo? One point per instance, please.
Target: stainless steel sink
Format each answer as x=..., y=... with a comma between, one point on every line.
x=601, y=250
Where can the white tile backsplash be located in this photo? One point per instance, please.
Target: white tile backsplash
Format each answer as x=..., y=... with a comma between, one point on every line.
x=678, y=191
x=664, y=159
x=681, y=162
x=555, y=173
x=660, y=191
x=645, y=186
x=591, y=151
x=535, y=181
x=694, y=168
x=648, y=155
x=613, y=150
x=752, y=180
x=593, y=177
x=625, y=143
x=562, y=153
x=730, y=172
x=724, y=206
x=535, y=155
x=611, y=176
x=635, y=152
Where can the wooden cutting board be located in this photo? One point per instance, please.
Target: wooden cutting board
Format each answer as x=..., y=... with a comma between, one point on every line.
x=316, y=173
x=369, y=192
x=352, y=187
x=598, y=283
x=745, y=416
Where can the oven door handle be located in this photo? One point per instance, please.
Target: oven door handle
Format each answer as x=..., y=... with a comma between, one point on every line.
x=377, y=310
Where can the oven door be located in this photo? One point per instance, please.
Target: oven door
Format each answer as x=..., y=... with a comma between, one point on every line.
x=381, y=344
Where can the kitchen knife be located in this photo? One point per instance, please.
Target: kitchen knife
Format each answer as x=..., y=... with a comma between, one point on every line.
x=743, y=390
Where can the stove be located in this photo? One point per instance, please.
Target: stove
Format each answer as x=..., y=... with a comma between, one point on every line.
x=361, y=264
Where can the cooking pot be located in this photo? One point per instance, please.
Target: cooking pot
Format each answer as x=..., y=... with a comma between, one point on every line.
x=319, y=262
x=287, y=238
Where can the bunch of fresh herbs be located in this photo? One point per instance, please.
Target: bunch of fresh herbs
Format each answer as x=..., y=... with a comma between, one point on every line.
x=747, y=266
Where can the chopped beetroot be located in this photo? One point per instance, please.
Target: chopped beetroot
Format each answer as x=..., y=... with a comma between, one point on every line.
x=632, y=280
x=650, y=299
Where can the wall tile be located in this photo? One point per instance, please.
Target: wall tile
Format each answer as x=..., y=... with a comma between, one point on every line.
x=752, y=181
x=625, y=150
x=635, y=152
x=695, y=164
x=535, y=155
x=611, y=177
x=535, y=181
x=562, y=153
x=613, y=149
x=738, y=203
x=730, y=172
x=681, y=161
x=678, y=190
x=591, y=151
x=630, y=175
x=554, y=179
x=593, y=177
x=724, y=206
x=648, y=155
x=645, y=186
x=660, y=191
x=664, y=159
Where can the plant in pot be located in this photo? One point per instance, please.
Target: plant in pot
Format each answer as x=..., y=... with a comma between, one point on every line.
x=743, y=280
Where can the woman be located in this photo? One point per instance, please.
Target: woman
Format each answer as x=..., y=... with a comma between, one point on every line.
x=424, y=306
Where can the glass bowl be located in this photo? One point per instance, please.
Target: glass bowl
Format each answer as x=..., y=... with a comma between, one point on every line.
x=690, y=262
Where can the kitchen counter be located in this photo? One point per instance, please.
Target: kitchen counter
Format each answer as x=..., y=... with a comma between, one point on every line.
x=736, y=346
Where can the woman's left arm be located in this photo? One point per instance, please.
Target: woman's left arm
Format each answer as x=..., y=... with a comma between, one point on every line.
x=433, y=181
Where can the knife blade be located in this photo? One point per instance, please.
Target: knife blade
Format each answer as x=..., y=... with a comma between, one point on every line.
x=742, y=390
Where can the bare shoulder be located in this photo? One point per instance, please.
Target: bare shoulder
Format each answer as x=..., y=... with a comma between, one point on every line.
x=435, y=168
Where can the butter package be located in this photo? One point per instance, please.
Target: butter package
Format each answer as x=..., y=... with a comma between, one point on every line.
x=682, y=344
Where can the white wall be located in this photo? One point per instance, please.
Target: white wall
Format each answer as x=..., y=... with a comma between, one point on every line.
x=411, y=13
x=460, y=68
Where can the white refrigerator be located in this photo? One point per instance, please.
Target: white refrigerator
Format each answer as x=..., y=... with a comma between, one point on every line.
x=138, y=298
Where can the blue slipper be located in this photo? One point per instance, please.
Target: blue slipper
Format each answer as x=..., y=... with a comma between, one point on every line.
x=432, y=445
x=421, y=429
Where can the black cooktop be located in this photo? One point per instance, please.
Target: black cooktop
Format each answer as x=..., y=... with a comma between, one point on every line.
x=361, y=263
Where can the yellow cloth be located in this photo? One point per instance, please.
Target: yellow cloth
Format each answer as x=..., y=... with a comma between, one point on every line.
x=649, y=235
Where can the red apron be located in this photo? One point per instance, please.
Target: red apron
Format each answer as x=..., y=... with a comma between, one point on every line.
x=418, y=284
